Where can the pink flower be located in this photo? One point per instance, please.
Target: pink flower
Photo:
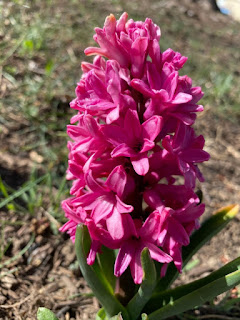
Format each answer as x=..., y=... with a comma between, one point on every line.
x=178, y=206
x=75, y=216
x=104, y=199
x=143, y=236
x=101, y=92
x=134, y=140
x=134, y=154
x=186, y=148
x=127, y=42
x=168, y=95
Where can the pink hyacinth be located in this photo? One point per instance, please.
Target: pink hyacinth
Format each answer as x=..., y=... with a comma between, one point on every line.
x=134, y=154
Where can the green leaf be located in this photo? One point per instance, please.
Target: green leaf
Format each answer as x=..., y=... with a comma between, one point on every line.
x=197, y=297
x=106, y=262
x=95, y=278
x=208, y=229
x=165, y=297
x=45, y=314
x=145, y=291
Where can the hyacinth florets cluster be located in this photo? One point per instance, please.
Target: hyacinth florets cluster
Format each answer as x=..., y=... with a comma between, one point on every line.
x=134, y=153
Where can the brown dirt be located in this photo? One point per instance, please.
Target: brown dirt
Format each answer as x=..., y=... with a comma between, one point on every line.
x=46, y=274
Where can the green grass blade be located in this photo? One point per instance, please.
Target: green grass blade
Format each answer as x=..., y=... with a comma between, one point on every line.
x=197, y=297
x=95, y=278
x=145, y=291
x=208, y=229
x=20, y=192
x=4, y=191
x=19, y=254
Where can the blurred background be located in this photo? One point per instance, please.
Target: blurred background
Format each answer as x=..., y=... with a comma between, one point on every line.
x=42, y=45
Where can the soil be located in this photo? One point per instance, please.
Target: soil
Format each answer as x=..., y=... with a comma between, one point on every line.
x=39, y=268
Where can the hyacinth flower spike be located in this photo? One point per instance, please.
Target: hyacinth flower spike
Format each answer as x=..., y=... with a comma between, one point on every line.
x=133, y=162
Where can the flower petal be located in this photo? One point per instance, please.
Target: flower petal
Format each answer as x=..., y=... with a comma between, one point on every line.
x=140, y=163
x=124, y=257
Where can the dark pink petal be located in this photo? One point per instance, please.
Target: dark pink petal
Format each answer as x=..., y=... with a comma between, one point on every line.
x=115, y=225
x=167, y=144
x=138, y=56
x=110, y=26
x=90, y=51
x=88, y=200
x=91, y=125
x=142, y=87
x=116, y=181
x=170, y=84
x=155, y=53
x=124, y=257
x=190, y=178
x=180, y=136
x=157, y=104
x=140, y=163
x=147, y=145
x=114, y=134
x=76, y=169
x=198, y=174
x=190, y=107
x=77, y=186
x=123, y=207
x=101, y=235
x=181, y=98
x=197, y=94
x=152, y=198
x=76, y=133
x=157, y=254
x=121, y=22
x=126, y=41
x=190, y=214
x=186, y=118
x=136, y=267
x=92, y=183
x=113, y=80
x=151, y=228
x=153, y=76
x=95, y=248
x=113, y=115
x=103, y=208
x=198, y=142
x=108, y=49
x=123, y=150
x=93, y=81
x=120, y=226
x=177, y=231
x=175, y=250
x=164, y=270
x=194, y=155
x=132, y=126
x=152, y=127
